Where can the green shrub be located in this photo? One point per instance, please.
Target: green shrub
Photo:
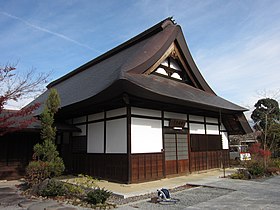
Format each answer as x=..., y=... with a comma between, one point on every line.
x=36, y=172
x=237, y=176
x=256, y=168
x=98, y=196
x=276, y=162
x=56, y=167
x=241, y=174
x=74, y=190
x=85, y=181
x=53, y=188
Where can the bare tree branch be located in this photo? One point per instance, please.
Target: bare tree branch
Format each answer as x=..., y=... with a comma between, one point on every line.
x=15, y=86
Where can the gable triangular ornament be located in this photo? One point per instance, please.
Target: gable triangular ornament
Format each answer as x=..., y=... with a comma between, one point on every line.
x=171, y=65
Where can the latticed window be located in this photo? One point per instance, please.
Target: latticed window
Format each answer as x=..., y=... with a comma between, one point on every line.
x=172, y=69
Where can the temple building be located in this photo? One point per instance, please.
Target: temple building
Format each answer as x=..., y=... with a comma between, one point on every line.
x=142, y=111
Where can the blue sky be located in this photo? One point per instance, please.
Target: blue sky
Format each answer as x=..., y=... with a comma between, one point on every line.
x=236, y=44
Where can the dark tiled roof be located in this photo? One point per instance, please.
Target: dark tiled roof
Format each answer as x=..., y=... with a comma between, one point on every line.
x=146, y=34
x=181, y=91
x=129, y=61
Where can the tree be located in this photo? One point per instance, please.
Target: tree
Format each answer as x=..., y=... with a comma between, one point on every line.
x=266, y=117
x=274, y=137
x=47, y=162
x=48, y=131
x=14, y=87
x=265, y=112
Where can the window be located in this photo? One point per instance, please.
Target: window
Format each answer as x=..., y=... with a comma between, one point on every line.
x=172, y=69
x=233, y=149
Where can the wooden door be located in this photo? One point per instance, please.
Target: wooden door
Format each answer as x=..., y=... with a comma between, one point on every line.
x=176, y=153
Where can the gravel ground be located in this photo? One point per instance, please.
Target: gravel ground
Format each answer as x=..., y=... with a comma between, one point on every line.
x=186, y=198
x=221, y=194
x=121, y=201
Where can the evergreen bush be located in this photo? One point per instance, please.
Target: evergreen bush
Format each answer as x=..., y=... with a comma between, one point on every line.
x=47, y=162
x=36, y=172
x=98, y=196
x=53, y=188
x=256, y=168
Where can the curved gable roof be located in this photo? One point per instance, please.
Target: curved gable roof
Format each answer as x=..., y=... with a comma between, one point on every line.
x=129, y=61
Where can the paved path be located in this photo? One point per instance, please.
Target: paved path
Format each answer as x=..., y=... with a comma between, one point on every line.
x=131, y=190
x=223, y=194
x=247, y=195
x=10, y=199
x=213, y=193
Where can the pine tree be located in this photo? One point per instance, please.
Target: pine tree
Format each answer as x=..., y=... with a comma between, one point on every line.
x=46, y=155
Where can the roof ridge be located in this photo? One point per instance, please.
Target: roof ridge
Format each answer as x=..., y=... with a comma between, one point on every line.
x=136, y=39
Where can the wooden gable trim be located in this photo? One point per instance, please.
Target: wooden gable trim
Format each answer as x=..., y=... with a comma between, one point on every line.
x=179, y=56
x=162, y=58
x=174, y=52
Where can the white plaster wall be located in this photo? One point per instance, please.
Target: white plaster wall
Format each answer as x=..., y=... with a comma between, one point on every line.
x=212, y=120
x=197, y=128
x=212, y=129
x=173, y=115
x=196, y=118
x=116, y=112
x=83, y=129
x=225, y=140
x=97, y=116
x=79, y=120
x=146, y=135
x=116, y=136
x=145, y=112
x=95, y=138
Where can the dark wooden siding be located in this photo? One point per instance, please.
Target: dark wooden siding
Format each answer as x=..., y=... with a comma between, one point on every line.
x=207, y=153
x=113, y=167
x=146, y=167
x=173, y=167
x=16, y=150
x=208, y=160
